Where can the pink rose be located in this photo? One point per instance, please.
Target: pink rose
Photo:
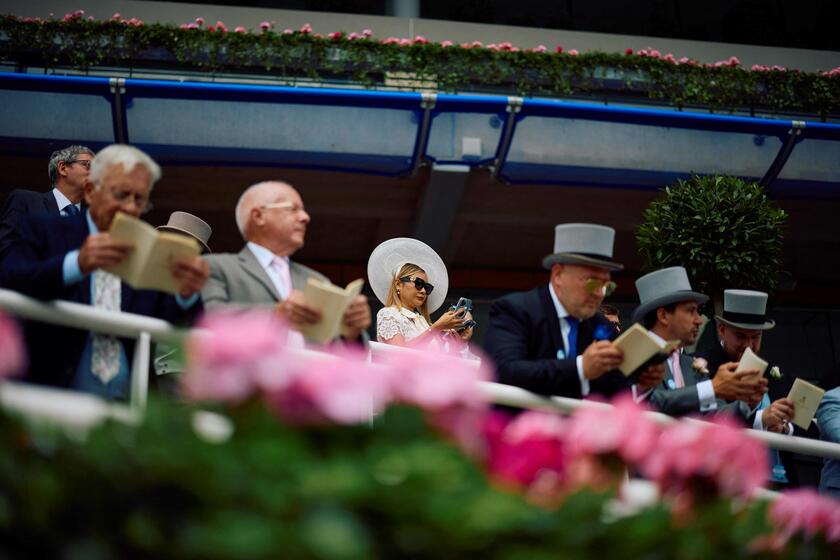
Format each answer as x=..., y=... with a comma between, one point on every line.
x=526, y=450
x=734, y=61
x=684, y=60
x=335, y=35
x=558, y=49
x=265, y=26
x=306, y=29
x=353, y=36
x=446, y=43
x=220, y=25
x=420, y=40
x=669, y=58
x=288, y=31
x=477, y=44
x=193, y=25
x=492, y=47
x=367, y=33
x=804, y=511
x=240, y=29
x=653, y=53
x=317, y=36
x=405, y=42
x=573, y=52
x=200, y=21
x=342, y=389
x=540, y=49
x=628, y=51
x=116, y=15
x=230, y=355
x=12, y=350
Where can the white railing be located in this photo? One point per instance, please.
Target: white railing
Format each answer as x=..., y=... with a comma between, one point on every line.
x=45, y=403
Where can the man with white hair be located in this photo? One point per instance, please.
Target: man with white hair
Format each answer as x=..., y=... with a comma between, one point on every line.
x=59, y=258
x=272, y=220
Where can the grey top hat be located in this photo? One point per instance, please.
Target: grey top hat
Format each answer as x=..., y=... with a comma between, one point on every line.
x=745, y=309
x=664, y=287
x=583, y=244
x=195, y=227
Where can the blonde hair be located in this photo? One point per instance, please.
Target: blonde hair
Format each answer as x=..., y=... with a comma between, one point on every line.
x=393, y=299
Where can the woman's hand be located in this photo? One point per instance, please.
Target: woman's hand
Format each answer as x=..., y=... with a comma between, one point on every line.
x=451, y=320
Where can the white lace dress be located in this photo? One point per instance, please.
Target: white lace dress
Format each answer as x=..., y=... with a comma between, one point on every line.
x=391, y=321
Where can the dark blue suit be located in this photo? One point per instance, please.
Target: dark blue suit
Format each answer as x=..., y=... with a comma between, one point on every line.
x=523, y=339
x=33, y=266
x=19, y=204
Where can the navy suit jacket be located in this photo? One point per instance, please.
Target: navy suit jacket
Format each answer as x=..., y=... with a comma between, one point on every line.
x=19, y=204
x=33, y=266
x=523, y=339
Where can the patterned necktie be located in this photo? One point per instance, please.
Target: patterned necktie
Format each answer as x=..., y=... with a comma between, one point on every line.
x=676, y=370
x=573, y=335
x=71, y=210
x=105, y=350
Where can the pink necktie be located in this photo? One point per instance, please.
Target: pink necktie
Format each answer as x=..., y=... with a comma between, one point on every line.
x=676, y=370
x=281, y=266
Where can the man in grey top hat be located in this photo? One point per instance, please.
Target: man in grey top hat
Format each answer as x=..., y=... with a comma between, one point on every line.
x=272, y=219
x=741, y=326
x=551, y=340
x=670, y=309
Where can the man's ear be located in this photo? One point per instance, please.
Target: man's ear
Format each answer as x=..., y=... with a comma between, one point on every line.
x=88, y=191
x=662, y=315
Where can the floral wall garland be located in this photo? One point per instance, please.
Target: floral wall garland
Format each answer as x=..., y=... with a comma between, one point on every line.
x=83, y=42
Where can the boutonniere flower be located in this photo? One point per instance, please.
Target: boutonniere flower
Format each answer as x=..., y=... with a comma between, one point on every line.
x=775, y=372
x=700, y=365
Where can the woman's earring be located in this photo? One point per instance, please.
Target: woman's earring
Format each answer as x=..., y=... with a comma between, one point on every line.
x=398, y=292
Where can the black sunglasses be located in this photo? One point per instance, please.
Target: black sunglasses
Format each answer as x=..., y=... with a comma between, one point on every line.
x=419, y=283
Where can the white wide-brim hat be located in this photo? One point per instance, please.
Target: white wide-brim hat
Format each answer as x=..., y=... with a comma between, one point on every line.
x=389, y=257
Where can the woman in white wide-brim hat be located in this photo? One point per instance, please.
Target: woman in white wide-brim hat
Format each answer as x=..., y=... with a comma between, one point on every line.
x=410, y=279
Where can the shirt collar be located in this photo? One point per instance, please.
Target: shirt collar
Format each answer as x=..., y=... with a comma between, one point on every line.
x=561, y=311
x=91, y=226
x=408, y=313
x=264, y=256
x=61, y=200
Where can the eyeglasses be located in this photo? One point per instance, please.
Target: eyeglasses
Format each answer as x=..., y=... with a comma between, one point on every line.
x=593, y=285
x=140, y=201
x=291, y=206
x=419, y=283
x=83, y=162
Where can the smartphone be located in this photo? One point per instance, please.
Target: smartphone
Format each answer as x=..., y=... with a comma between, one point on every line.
x=464, y=305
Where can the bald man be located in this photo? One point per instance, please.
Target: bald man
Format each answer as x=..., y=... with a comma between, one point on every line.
x=272, y=220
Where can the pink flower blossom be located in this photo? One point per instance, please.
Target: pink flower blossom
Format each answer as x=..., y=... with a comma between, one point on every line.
x=12, y=350
x=405, y=42
x=343, y=389
x=778, y=68
x=477, y=44
x=540, y=49
x=435, y=380
x=804, y=511
x=233, y=353
x=653, y=53
x=287, y=31
x=558, y=49
x=622, y=430
x=220, y=26
x=367, y=33
x=353, y=36
x=193, y=25
x=91, y=18
x=526, y=449
x=720, y=453
x=200, y=21
x=573, y=52
x=389, y=41
x=211, y=28
x=642, y=52
x=759, y=68
x=336, y=35
x=733, y=61
x=506, y=46
x=306, y=29
x=684, y=60
x=240, y=29
x=446, y=43
x=492, y=47
x=317, y=36
x=466, y=45
x=265, y=26
x=669, y=58
x=628, y=51
x=116, y=15
x=420, y=40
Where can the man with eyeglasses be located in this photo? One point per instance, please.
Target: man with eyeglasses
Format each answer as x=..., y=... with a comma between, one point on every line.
x=68, y=170
x=273, y=221
x=552, y=340
x=58, y=258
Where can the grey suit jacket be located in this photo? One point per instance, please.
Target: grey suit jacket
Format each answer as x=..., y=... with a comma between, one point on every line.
x=238, y=281
x=685, y=400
